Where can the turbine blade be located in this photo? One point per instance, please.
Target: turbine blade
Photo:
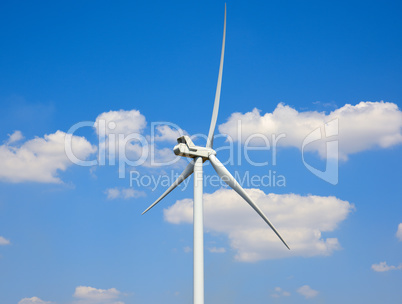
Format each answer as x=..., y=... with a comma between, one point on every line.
x=210, y=140
x=186, y=173
x=230, y=180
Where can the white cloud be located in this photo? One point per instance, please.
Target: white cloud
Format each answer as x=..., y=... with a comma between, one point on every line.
x=383, y=267
x=307, y=292
x=33, y=300
x=301, y=220
x=135, y=147
x=112, y=193
x=168, y=134
x=120, y=135
x=399, y=232
x=86, y=292
x=40, y=159
x=90, y=295
x=279, y=292
x=187, y=249
x=217, y=250
x=361, y=127
x=161, y=157
x=120, y=122
x=85, y=295
x=4, y=241
x=124, y=193
x=14, y=137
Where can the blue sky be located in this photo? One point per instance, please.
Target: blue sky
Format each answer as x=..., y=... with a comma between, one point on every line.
x=74, y=234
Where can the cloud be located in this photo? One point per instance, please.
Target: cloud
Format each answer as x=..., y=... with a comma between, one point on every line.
x=33, y=300
x=279, y=292
x=383, y=267
x=301, y=220
x=307, y=292
x=120, y=122
x=187, y=249
x=4, y=241
x=159, y=157
x=124, y=193
x=40, y=159
x=217, y=250
x=15, y=137
x=122, y=134
x=90, y=295
x=168, y=133
x=364, y=126
x=399, y=232
x=85, y=295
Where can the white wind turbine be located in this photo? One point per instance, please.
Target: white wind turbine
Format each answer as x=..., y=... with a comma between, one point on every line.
x=199, y=155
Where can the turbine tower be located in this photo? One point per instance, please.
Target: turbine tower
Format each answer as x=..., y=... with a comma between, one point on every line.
x=199, y=155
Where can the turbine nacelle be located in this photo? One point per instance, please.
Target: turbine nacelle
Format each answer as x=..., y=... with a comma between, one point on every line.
x=186, y=148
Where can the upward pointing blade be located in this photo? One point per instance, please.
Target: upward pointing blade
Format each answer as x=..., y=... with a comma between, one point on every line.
x=210, y=140
x=186, y=173
x=230, y=180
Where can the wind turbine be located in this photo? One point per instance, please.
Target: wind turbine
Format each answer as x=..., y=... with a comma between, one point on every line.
x=199, y=155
